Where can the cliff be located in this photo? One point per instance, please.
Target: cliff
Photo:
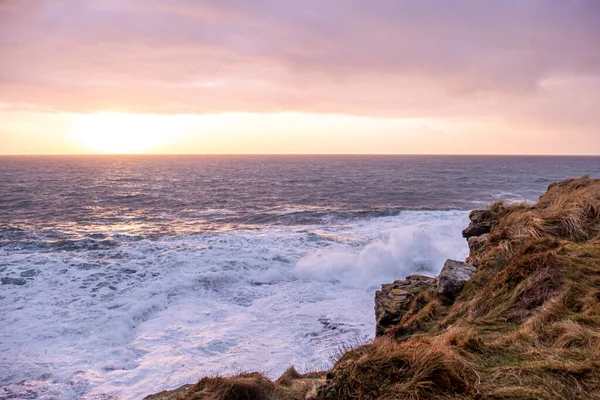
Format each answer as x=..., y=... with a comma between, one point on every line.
x=520, y=319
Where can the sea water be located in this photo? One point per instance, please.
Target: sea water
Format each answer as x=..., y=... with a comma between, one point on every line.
x=127, y=275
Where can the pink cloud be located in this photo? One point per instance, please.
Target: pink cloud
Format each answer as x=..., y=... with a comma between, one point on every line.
x=385, y=58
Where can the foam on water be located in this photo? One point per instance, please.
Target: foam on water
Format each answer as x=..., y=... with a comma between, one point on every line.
x=142, y=316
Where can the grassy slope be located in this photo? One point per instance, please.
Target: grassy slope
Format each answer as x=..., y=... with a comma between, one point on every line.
x=527, y=326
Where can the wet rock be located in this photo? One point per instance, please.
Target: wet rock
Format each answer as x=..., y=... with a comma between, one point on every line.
x=13, y=281
x=328, y=324
x=30, y=273
x=481, y=223
x=129, y=270
x=394, y=299
x=453, y=277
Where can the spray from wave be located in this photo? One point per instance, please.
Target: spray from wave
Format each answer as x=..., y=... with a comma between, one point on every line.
x=419, y=247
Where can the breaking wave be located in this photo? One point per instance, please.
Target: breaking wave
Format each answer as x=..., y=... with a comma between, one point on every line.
x=102, y=322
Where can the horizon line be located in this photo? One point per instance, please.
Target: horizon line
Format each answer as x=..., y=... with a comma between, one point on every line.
x=287, y=154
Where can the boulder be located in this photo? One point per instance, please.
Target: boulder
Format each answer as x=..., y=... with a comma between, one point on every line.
x=453, y=278
x=481, y=223
x=394, y=299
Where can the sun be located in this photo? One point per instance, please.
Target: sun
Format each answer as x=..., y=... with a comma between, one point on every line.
x=117, y=133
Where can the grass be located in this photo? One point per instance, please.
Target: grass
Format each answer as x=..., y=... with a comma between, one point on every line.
x=526, y=326
x=247, y=386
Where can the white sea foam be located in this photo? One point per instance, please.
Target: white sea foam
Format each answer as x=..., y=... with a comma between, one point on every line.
x=510, y=197
x=150, y=315
x=415, y=247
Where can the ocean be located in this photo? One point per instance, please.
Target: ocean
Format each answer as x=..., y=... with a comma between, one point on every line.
x=126, y=275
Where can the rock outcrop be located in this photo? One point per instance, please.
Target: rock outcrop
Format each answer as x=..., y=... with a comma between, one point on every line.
x=478, y=231
x=453, y=277
x=394, y=299
x=481, y=223
x=477, y=243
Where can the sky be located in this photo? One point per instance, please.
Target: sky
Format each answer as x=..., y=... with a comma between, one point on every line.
x=300, y=77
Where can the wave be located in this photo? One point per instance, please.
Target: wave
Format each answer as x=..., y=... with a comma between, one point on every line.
x=414, y=248
x=113, y=318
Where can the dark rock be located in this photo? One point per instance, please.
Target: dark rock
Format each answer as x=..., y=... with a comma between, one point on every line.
x=453, y=277
x=328, y=324
x=394, y=299
x=128, y=271
x=13, y=281
x=30, y=273
x=481, y=223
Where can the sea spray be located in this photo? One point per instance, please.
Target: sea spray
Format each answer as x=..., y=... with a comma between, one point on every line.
x=416, y=247
x=115, y=319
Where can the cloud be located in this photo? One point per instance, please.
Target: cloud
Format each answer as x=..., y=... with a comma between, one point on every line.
x=387, y=58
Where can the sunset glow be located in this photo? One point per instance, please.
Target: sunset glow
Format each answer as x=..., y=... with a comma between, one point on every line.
x=115, y=133
x=262, y=77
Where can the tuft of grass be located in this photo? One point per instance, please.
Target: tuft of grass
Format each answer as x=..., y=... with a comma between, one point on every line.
x=342, y=349
x=241, y=387
x=569, y=210
x=248, y=386
x=422, y=314
x=390, y=369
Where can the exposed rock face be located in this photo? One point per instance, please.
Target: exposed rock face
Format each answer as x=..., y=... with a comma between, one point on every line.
x=481, y=223
x=477, y=246
x=394, y=299
x=477, y=243
x=453, y=278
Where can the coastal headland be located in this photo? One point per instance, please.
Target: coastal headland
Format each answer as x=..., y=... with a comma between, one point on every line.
x=518, y=319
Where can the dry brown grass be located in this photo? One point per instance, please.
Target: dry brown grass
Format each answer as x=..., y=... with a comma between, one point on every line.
x=394, y=370
x=241, y=387
x=248, y=386
x=569, y=210
x=422, y=314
